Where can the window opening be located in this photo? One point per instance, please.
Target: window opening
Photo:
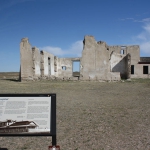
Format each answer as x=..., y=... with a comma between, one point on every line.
x=132, y=69
x=63, y=67
x=145, y=69
x=122, y=51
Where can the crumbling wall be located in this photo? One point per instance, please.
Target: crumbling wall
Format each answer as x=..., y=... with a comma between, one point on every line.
x=42, y=63
x=121, y=63
x=36, y=58
x=47, y=64
x=98, y=62
x=114, y=76
x=95, y=60
x=118, y=64
x=128, y=66
x=26, y=60
x=65, y=67
x=55, y=65
x=115, y=49
x=134, y=50
x=118, y=49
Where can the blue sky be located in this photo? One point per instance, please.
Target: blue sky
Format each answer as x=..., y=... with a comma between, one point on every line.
x=59, y=26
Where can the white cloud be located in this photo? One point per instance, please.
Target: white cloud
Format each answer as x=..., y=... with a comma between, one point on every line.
x=130, y=18
x=144, y=39
x=141, y=36
x=11, y=3
x=147, y=28
x=145, y=47
x=75, y=50
x=145, y=20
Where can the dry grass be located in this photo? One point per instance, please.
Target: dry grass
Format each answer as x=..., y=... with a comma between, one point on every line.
x=90, y=115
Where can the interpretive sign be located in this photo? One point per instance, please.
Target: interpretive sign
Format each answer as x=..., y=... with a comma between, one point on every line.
x=28, y=114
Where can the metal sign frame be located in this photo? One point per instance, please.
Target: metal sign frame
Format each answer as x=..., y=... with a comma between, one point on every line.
x=52, y=116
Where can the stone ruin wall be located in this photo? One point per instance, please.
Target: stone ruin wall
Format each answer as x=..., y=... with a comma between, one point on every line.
x=26, y=60
x=37, y=64
x=34, y=63
x=65, y=68
x=121, y=63
x=98, y=62
x=95, y=60
x=102, y=62
x=128, y=66
x=118, y=63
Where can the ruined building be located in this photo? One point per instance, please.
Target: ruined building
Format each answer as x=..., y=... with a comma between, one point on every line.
x=99, y=61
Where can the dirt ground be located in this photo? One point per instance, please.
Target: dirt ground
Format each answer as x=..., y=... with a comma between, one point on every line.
x=90, y=115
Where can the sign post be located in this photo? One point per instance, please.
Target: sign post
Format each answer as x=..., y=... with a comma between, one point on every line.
x=28, y=115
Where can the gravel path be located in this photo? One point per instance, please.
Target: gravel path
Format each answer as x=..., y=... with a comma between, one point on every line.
x=90, y=115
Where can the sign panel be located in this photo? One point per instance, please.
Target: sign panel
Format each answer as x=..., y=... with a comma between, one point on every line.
x=27, y=114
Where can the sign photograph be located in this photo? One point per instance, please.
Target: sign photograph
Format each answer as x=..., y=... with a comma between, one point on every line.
x=26, y=114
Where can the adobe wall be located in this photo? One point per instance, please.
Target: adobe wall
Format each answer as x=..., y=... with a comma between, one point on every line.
x=134, y=50
x=144, y=61
x=121, y=63
x=115, y=49
x=56, y=65
x=36, y=64
x=47, y=64
x=118, y=64
x=36, y=58
x=65, y=67
x=98, y=62
x=128, y=66
x=135, y=58
x=95, y=60
x=26, y=60
x=139, y=71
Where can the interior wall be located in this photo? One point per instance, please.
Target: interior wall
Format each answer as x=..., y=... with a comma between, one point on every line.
x=118, y=64
x=45, y=56
x=36, y=62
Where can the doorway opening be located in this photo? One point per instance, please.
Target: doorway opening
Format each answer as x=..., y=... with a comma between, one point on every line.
x=49, y=66
x=76, y=68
